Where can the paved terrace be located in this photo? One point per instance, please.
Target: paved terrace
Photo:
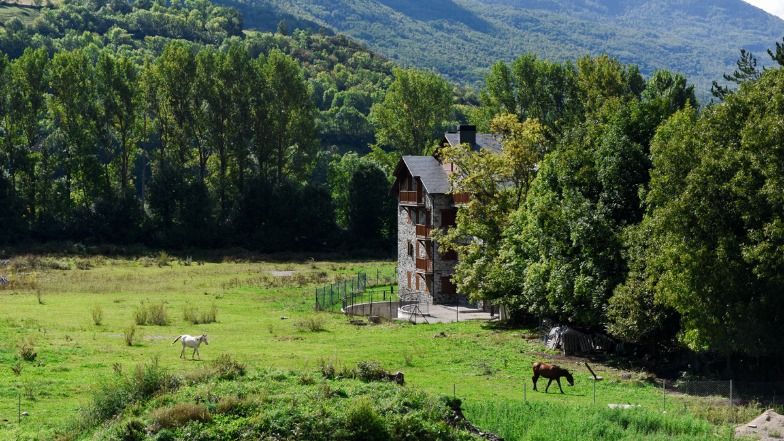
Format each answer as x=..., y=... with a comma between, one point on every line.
x=446, y=314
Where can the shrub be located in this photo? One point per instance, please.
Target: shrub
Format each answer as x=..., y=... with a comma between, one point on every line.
x=227, y=368
x=362, y=422
x=113, y=395
x=370, y=371
x=129, y=335
x=163, y=259
x=179, y=415
x=27, y=352
x=231, y=405
x=133, y=430
x=314, y=323
x=151, y=314
x=97, y=314
x=327, y=369
x=198, y=317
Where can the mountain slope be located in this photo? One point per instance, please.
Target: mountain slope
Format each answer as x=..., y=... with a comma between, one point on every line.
x=462, y=38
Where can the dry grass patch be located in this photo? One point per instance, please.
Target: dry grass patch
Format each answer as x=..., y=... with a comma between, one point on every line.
x=179, y=415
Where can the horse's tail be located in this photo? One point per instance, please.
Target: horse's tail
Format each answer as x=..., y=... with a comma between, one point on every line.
x=175, y=340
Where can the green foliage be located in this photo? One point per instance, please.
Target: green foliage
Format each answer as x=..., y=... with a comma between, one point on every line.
x=535, y=421
x=370, y=370
x=362, y=422
x=196, y=316
x=227, y=367
x=151, y=314
x=97, y=315
x=113, y=395
x=415, y=112
x=460, y=40
x=717, y=220
x=371, y=212
x=167, y=124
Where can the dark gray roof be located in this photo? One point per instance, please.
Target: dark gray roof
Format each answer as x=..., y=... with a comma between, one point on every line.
x=487, y=141
x=429, y=171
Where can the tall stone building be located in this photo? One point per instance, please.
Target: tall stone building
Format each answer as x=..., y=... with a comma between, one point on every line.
x=426, y=202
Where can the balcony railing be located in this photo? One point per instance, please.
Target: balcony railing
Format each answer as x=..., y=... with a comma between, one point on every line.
x=461, y=198
x=411, y=198
x=424, y=265
x=423, y=231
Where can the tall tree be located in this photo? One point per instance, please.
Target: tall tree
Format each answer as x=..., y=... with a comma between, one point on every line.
x=119, y=91
x=532, y=88
x=291, y=119
x=498, y=184
x=718, y=219
x=416, y=110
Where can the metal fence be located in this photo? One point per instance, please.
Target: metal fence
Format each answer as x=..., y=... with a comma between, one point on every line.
x=362, y=288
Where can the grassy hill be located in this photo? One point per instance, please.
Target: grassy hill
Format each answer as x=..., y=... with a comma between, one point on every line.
x=461, y=38
x=65, y=320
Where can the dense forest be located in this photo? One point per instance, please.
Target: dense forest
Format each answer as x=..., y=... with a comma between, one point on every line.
x=462, y=38
x=170, y=126
x=617, y=203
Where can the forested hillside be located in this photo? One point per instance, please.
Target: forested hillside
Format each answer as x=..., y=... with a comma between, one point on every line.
x=462, y=38
x=169, y=125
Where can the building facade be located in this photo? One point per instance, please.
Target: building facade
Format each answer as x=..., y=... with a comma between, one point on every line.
x=426, y=203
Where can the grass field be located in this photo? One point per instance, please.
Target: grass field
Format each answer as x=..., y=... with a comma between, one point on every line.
x=25, y=14
x=265, y=320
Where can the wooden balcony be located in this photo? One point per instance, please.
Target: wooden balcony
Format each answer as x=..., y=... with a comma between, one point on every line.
x=411, y=198
x=423, y=232
x=424, y=266
x=461, y=198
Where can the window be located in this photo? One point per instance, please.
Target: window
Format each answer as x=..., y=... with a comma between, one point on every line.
x=417, y=282
x=410, y=249
x=409, y=279
x=448, y=217
x=447, y=287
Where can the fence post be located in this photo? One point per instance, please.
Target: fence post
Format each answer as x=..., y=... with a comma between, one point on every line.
x=664, y=394
x=525, y=392
x=317, y=305
x=371, y=302
x=731, y=397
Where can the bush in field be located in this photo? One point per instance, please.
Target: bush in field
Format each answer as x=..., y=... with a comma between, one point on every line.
x=362, y=422
x=151, y=314
x=314, y=323
x=97, y=313
x=228, y=368
x=198, y=317
x=370, y=371
x=27, y=352
x=133, y=430
x=113, y=395
x=129, y=335
x=179, y=415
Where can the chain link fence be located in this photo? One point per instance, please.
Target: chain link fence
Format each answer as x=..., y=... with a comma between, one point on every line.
x=362, y=288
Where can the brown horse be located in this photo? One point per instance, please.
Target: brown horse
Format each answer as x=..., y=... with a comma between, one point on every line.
x=552, y=372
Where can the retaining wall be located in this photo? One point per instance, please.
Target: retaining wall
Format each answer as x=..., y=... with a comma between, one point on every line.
x=382, y=309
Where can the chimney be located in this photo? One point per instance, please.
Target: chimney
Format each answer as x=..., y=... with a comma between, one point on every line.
x=466, y=134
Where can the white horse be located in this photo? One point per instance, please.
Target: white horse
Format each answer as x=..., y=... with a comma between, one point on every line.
x=191, y=342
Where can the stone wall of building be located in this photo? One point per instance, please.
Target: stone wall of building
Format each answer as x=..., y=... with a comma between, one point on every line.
x=406, y=264
x=442, y=268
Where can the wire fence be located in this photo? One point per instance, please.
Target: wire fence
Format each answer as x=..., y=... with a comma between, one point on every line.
x=362, y=288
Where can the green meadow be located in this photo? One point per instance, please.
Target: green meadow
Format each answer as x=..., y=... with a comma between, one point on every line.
x=265, y=320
